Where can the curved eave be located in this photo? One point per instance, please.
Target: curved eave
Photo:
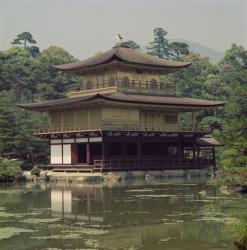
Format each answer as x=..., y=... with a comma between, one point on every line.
x=45, y=106
x=207, y=141
x=67, y=68
x=69, y=102
x=216, y=105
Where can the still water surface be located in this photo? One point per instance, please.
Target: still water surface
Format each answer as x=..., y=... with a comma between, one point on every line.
x=169, y=214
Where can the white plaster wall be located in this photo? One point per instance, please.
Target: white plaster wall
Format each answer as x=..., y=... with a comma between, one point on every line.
x=56, y=154
x=67, y=154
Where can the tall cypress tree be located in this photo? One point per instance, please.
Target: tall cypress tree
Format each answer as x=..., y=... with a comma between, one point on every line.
x=159, y=46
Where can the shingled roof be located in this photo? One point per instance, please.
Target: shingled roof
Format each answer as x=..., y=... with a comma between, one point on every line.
x=123, y=54
x=124, y=97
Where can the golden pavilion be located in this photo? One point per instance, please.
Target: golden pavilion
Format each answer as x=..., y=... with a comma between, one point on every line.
x=123, y=117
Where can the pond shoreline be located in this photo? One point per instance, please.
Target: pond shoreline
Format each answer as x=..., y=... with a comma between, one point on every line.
x=114, y=176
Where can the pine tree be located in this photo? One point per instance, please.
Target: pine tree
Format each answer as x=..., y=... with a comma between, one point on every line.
x=159, y=46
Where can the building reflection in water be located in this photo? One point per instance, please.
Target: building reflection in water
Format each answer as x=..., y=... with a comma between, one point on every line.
x=61, y=202
x=138, y=217
x=76, y=203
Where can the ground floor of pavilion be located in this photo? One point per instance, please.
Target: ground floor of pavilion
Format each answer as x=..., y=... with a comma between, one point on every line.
x=106, y=151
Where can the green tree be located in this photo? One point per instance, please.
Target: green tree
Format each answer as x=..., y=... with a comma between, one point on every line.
x=233, y=72
x=23, y=39
x=178, y=49
x=16, y=132
x=17, y=74
x=52, y=84
x=159, y=46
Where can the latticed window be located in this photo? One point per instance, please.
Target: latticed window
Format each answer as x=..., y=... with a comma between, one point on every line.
x=112, y=82
x=89, y=85
x=126, y=82
x=153, y=84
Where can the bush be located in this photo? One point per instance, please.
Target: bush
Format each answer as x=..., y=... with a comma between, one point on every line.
x=35, y=171
x=230, y=180
x=10, y=167
x=239, y=234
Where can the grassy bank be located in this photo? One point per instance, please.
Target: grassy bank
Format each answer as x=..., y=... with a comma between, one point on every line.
x=231, y=177
x=234, y=180
x=238, y=232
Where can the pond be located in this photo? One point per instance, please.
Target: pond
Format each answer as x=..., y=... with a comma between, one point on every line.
x=182, y=214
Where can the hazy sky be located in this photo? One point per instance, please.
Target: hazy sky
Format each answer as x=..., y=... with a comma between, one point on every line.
x=84, y=27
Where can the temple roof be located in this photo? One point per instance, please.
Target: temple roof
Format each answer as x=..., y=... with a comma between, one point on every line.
x=207, y=141
x=123, y=54
x=124, y=97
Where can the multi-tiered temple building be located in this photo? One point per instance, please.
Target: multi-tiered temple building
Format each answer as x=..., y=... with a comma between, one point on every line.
x=123, y=116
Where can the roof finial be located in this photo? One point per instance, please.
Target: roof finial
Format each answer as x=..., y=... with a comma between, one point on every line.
x=120, y=37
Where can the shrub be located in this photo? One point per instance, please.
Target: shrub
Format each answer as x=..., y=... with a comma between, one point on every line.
x=35, y=171
x=239, y=234
x=10, y=167
x=230, y=180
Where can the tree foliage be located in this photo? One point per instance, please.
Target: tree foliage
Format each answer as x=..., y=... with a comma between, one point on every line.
x=25, y=39
x=159, y=46
x=17, y=130
x=178, y=49
x=162, y=48
x=233, y=72
x=25, y=78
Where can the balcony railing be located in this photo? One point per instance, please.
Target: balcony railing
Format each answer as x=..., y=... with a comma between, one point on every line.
x=152, y=164
x=117, y=126
x=146, y=86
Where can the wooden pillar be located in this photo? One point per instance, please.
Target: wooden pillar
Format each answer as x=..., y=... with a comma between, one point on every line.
x=179, y=149
x=139, y=152
x=74, y=153
x=49, y=150
x=62, y=150
x=62, y=122
x=198, y=152
x=165, y=150
x=194, y=148
x=88, y=154
x=214, y=160
x=88, y=204
x=103, y=151
x=182, y=148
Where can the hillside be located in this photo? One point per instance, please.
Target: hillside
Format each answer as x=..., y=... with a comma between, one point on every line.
x=214, y=55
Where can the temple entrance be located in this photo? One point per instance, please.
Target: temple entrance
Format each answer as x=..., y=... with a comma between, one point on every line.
x=95, y=151
x=81, y=153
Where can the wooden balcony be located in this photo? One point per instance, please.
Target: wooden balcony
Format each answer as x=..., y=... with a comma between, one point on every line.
x=113, y=125
x=131, y=85
x=152, y=164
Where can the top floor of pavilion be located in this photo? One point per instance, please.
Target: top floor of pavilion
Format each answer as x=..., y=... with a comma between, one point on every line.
x=126, y=69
